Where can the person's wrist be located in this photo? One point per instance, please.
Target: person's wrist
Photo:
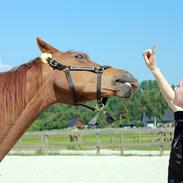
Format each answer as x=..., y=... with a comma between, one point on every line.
x=155, y=69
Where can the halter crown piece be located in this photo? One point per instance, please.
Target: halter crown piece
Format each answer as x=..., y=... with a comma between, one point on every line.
x=101, y=102
x=44, y=57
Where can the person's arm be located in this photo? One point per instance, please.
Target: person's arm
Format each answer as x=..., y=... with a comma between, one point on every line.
x=165, y=88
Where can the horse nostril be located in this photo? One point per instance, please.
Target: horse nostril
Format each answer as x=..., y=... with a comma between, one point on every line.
x=118, y=81
x=124, y=80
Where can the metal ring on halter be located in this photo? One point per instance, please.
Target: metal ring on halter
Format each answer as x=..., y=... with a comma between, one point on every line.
x=100, y=107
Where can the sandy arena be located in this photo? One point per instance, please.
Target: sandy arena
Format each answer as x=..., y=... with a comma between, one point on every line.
x=83, y=169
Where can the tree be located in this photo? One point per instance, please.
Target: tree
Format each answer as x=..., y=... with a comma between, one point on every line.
x=123, y=115
x=153, y=104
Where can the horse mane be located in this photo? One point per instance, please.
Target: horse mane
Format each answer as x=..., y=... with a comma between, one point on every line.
x=13, y=86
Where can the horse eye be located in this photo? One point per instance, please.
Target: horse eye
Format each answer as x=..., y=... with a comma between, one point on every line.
x=79, y=56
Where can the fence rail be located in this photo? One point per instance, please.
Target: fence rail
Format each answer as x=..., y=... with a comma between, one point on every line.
x=46, y=142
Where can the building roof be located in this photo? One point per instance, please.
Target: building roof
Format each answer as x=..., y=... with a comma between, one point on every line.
x=167, y=117
x=93, y=121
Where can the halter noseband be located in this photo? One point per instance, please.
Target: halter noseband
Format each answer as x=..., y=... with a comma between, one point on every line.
x=101, y=102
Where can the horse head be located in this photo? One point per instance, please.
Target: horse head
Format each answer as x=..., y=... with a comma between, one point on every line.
x=83, y=75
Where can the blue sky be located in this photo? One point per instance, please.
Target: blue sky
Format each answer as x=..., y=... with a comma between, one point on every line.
x=112, y=32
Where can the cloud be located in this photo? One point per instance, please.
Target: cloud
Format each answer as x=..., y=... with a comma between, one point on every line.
x=4, y=67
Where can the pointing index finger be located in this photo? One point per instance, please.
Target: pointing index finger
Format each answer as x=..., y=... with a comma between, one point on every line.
x=154, y=48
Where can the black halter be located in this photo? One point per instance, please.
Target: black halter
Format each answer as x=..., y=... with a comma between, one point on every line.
x=101, y=102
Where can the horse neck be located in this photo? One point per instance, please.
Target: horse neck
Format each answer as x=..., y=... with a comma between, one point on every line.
x=19, y=87
x=40, y=94
x=37, y=97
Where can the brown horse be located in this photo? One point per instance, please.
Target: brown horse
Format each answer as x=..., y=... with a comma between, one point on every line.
x=27, y=90
x=74, y=134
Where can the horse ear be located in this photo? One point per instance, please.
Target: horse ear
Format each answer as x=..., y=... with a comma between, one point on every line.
x=45, y=47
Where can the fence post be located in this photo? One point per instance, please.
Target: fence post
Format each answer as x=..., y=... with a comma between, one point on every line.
x=152, y=137
x=98, y=145
x=44, y=143
x=140, y=136
x=121, y=141
x=161, y=143
x=112, y=141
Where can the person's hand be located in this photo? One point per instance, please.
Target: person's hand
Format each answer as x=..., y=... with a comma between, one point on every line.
x=150, y=58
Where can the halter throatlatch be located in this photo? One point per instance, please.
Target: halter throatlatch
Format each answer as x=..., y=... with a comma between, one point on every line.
x=101, y=102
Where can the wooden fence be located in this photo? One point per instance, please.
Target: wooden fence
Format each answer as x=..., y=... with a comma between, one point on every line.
x=50, y=142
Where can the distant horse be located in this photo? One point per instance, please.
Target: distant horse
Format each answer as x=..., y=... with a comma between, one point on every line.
x=74, y=134
x=66, y=77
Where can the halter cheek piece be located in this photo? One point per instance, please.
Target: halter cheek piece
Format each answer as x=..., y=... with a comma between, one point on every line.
x=101, y=102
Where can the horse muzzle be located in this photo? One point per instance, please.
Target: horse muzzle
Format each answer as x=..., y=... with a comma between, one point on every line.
x=126, y=87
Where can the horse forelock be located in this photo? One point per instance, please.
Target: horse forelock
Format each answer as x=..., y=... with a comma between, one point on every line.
x=13, y=87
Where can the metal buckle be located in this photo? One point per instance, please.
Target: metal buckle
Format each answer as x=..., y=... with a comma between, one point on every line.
x=53, y=63
x=82, y=68
x=99, y=69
